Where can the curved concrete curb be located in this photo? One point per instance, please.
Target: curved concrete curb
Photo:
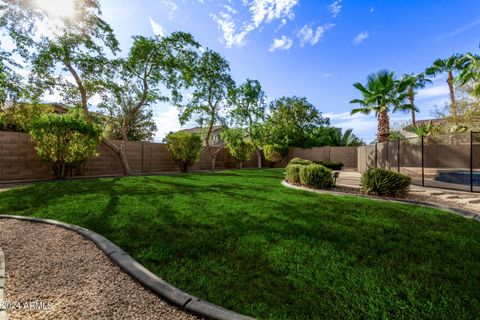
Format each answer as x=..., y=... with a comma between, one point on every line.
x=3, y=312
x=461, y=212
x=146, y=278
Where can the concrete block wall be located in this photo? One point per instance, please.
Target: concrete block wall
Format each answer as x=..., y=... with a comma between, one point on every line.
x=346, y=155
x=20, y=162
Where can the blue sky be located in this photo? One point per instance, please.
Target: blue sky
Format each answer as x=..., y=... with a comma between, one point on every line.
x=316, y=49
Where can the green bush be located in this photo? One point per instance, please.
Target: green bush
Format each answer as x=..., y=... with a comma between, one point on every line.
x=65, y=140
x=293, y=173
x=382, y=182
x=316, y=176
x=300, y=161
x=274, y=153
x=185, y=148
x=333, y=165
x=238, y=147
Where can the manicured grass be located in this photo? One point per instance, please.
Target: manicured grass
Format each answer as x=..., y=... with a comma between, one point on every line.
x=241, y=240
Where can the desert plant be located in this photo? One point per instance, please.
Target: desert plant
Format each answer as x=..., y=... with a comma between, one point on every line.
x=316, y=176
x=293, y=173
x=274, y=153
x=383, y=182
x=65, y=140
x=300, y=161
x=332, y=165
x=185, y=148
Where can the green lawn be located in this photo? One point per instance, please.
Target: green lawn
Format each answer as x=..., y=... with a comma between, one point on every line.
x=241, y=240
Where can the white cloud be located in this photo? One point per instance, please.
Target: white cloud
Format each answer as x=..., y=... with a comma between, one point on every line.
x=335, y=8
x=307, y=34
x=362, y=36
x=433, y=92
x=261, y=11
x=226, y=24
x=167, y=121
x=171, y=7
x=372, y=10
x=284, y=43
x=460, y=30
x=157, y=28
x=327, y=75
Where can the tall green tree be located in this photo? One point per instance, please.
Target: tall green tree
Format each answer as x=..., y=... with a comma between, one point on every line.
x=141, y=127
x=249, y=111
x=451, y=65
x=411, y=83
x=292, y=122
x=379, y=95
x=154, y=70
x=209, y=97
x=74, y=47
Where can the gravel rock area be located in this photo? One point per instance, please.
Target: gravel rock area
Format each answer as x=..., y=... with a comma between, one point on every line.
x=72, y=279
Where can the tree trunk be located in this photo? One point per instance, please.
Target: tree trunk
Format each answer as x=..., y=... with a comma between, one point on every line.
x=214, y=159
x=120, y=153
x=453, y=106
x=412, y=102
x=383, y=126
x=240, y=164
x=259, y=157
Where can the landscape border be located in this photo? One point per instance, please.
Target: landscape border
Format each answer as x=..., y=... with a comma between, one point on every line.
x=460, y=212
x=146, y=278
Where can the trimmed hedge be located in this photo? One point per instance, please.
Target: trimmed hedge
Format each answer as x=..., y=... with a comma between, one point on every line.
x=293, y=173
x=333, y=165
x=316, y=176
x=383, y=182
x=300, y=161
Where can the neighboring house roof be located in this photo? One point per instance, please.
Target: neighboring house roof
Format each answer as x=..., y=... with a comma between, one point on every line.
x=57, y=107
x=216, y=140
x=201, y=129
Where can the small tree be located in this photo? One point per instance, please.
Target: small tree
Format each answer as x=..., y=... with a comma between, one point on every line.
x=239, y=148
x=185, y=148
x=65, y=140
x=274, y=153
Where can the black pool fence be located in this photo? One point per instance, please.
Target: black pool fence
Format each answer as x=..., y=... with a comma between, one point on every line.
x=450, y=161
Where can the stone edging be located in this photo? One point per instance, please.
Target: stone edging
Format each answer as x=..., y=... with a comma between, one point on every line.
x=461, y=212
x=146, y=278
x=3, y=312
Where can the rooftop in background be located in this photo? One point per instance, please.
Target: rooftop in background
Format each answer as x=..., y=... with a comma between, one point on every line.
x=58, y=108
x=215, y=139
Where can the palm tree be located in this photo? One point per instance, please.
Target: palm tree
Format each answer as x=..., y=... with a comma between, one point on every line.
x=412, y=83
x=471, y=72
x=380, y=93
x=450, y=65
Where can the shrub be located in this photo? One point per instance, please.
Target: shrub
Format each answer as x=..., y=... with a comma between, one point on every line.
x=382, y=182
x=185, y=148
x=238, y=147
x=274, y=153
x=316, y=176
x=333, y=165
x=293, y=173
x=65, y=140
x=300, y=161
